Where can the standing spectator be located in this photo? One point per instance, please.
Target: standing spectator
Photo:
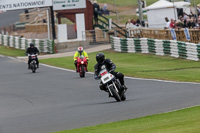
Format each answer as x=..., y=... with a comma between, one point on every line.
x=27, y=13
x=193, y=22
x=143, y=4
x=138, y=23
x=133, y=21
x=172, y=23
x=188, y=23
x=129, y=25
x=96, y=10
x=167, y=23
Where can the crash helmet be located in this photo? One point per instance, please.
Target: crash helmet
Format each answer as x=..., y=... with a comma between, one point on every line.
x=31, y=45
x=80, y=49
x=100, y=57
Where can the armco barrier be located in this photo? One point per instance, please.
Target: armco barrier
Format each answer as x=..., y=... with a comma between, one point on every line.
x=44, y=45
x=172, y=48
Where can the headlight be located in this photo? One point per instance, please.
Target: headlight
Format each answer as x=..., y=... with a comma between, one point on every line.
x=82, y=62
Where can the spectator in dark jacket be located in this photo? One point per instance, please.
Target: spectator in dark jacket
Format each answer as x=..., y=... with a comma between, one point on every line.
x=96, y=10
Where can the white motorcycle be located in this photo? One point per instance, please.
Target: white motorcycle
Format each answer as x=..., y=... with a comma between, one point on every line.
x=112, y=85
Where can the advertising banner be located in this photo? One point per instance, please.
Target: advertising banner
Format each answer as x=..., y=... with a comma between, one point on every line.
x=22, y=4
x=173, y=33
x=187, y=34
x=68, y=4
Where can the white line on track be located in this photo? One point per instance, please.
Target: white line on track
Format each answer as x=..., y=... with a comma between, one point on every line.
x=64, y=69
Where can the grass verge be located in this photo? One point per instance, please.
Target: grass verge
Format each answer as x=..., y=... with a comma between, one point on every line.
x=182, y=121
x=7, y=51
x=141, y=66
x=135, y=2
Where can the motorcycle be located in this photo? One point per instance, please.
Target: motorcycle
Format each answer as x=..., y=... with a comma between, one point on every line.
x=113, y=86
x=33, y=64
x=82, y=66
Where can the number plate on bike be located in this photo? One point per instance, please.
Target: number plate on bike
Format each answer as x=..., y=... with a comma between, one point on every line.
x=106, y=78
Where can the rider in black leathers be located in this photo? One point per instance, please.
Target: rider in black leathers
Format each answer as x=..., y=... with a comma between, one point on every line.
x=32, y=50
x=110, y=66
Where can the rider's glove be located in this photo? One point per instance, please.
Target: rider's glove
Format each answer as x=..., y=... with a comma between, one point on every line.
x=111, y=71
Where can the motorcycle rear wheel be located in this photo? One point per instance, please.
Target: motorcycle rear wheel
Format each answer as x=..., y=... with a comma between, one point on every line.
x=33, y=67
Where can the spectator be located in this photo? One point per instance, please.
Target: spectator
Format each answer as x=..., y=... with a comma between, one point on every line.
x=133, y=21
x=105, y=9
x=27, y=13
x=143, y=4
x=198, y=10
x=129, y=25
x=193, y=22
x=137, y=23
x=167, y=23
x=172, y=23
x=96, y=10
x=188, y=23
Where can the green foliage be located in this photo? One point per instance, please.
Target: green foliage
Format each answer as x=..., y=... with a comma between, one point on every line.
x=135, y=2
x=125, y=3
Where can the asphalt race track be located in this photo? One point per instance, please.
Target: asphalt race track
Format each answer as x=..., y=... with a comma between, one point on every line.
x=53, y=100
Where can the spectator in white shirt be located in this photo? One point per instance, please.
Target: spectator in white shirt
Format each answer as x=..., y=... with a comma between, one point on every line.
x=167, y=23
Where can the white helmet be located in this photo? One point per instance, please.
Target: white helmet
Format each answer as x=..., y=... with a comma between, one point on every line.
x=80, y=49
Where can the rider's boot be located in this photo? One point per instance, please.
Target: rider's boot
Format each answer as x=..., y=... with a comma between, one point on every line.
x=37, y=65
x=29, y=67
x=124, y=88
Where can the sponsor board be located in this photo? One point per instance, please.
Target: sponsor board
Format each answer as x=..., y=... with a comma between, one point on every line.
x=22, y=4
x=68, y=4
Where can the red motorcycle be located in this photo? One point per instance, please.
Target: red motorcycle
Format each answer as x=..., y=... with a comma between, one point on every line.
x=82, y=66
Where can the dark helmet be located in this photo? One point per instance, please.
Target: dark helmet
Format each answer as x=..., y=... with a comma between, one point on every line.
x=31, y=45
x=100, y=57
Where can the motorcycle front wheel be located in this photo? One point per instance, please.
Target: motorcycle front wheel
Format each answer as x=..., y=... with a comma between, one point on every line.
x=123, y=97
x=82, y=71
x=115, y=94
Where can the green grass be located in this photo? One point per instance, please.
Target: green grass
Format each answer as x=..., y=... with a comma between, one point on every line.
x=142, y=66
x=125, y=3
x=11, y=51
x=182, y=121
x=133, y=2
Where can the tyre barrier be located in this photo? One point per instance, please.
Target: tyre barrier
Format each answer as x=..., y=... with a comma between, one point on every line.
x=172, y=48
x=44, y=45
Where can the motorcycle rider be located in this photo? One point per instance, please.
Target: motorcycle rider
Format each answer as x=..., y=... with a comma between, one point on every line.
x=78, y=54
x=32, y=50
x=110, y=66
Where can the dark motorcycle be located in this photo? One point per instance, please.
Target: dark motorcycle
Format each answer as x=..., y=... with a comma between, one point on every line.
x=33, y=64
x=113, y=86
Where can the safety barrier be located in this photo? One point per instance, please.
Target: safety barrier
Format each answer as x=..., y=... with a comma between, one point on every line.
x=172, y=48
x=44, y=45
